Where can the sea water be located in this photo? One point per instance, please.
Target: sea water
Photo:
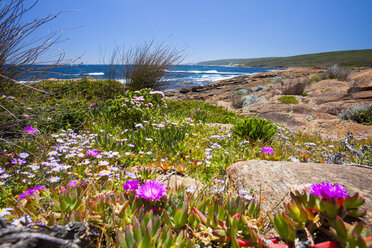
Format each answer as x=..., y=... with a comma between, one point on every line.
x=180, y=76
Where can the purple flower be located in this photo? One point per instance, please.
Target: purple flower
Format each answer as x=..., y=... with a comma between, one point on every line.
x=131, y=175
x=31, y=191
x=30, y=130
x=131, y=185
x=267, y=150
x=23, y=155
x=23, y=220
x=18, y=161
x=5, y=211
x=73, y=183
x=327, y=190
x=294, y=159
x=38, y=187
x=151, y=190
x=54, y=179
x=104, y=173
x=93, y=153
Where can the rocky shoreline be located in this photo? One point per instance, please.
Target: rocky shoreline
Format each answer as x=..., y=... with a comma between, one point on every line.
x=317, y=111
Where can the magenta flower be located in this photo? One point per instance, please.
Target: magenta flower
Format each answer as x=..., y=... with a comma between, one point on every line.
x=93, y=153
x=327, y=190
x=267, y=150
x=30, y=130
x=131, y=185
x=30, y=192
x=151, y=190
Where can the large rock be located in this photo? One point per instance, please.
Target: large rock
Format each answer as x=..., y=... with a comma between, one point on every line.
x=72, y=235
x=276, y=178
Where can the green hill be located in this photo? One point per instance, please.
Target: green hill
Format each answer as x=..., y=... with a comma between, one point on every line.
x=344, y=58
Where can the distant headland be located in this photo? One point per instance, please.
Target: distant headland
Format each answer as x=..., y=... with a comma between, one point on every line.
x=352, y=58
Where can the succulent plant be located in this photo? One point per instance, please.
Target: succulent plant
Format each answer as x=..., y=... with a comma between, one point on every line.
x=329, y=213
x=255, y=129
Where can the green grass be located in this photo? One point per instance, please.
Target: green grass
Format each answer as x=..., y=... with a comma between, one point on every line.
x=288, y=100
x=345, y=58
x=200, y=111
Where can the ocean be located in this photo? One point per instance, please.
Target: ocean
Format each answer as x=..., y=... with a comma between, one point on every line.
x=180, y=76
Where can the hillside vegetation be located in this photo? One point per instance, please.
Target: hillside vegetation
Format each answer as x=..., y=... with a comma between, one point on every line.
x=344, y=58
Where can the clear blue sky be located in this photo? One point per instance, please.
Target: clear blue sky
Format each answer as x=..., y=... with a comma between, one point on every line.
x=209, y=29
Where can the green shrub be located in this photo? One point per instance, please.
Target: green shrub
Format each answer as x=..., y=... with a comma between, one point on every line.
x=131, y=108
x=315, y=78
x=360, y=114
x=288, y=100
x=84, y=88
x=362, y=117
x=199, y=111
x=255, y=129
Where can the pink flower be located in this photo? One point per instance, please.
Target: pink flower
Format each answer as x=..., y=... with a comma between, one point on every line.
x=157, y=92
x=93, y=153
x=131, y=185
x=30, y=192
x=151, y=190
x=327, y=190
x=267, y=150
x=30, y=130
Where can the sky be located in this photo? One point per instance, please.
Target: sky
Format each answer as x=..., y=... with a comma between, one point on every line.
x=209, y=29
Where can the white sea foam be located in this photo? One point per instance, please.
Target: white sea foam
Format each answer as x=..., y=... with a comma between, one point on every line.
x=96, y=73
x=209, y=71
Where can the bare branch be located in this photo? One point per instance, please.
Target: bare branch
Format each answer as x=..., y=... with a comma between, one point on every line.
x=19, y=52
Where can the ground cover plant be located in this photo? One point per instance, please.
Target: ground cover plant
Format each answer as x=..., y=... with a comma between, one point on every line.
x=288, y=100
x=360, y=114
x=104, y=170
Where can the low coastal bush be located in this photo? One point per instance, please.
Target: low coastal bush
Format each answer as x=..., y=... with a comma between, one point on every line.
x=337, y=72
x=251, y=99
x=295, y=87
x=54, y=105
x=237, y=102
x=199, y=111
x=131, y=108
x=360, y=114
x=288, y=100
x=316, y=78
x=255, y=129
x=90, y=90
